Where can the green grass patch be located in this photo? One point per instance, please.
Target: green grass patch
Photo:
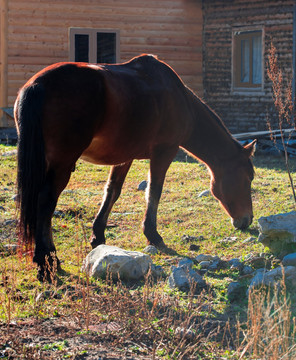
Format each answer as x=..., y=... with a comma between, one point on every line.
x=150, y=308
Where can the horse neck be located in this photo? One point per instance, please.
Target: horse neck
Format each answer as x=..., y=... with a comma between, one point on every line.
x=209, y=140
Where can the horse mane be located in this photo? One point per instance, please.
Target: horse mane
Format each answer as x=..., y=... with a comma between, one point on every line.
x=213, y=115
x=220, y=122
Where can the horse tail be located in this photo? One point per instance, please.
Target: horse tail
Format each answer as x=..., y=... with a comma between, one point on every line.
x=31, y=166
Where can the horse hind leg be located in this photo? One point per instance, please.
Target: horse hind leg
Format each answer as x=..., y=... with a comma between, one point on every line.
x=45, y=251
x=113, y=188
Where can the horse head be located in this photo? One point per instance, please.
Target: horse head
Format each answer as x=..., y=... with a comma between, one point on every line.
x=231, y=185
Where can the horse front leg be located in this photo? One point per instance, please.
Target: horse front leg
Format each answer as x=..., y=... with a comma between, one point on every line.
x=113, y=188
x=45, y=251
x=159, y=164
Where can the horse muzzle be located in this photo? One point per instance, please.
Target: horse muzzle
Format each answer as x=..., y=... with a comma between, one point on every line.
x=243, y=222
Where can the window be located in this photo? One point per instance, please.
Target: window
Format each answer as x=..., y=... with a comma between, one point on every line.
x=247, y=60
x=94, y=46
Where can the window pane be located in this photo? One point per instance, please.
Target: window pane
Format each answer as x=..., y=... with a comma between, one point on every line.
x=81, y=47
x=257, y=60
x=106, y=48
x=245, y=61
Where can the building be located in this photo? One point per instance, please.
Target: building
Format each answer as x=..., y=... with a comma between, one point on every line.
x=37, y=33
x=237, y=35
x=218, y=47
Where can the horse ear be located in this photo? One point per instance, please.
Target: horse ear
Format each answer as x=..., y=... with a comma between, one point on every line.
x=250, y=148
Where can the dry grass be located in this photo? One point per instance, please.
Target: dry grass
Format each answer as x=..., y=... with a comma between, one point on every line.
x=82, y=318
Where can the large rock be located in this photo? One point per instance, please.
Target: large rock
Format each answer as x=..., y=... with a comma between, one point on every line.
x=235, y=291
x=278, y=232
x=289, y=259
x=274, y=277
x=129, y=265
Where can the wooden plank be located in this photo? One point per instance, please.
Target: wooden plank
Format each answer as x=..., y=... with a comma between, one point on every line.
x=38, y=35
x=259, y=134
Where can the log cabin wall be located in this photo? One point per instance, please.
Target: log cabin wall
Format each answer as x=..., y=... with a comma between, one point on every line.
x=241, y=106
x=38, y=35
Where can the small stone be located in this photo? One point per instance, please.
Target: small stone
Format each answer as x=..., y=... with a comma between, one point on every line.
x=289, y=260
x=235, y=264
x=205, y=257
x=9, y=153
x=9, y=222
x=44, y=295
x=10, y=248
x=151, y=250
x=249, y=240
x=235, y=291
x=217, y=265
x=143, y=185
x=194, y=247
x=204, y=264
x=186, y=262
x=68, y=191
x=59, y=214
x=184, y=278
x=16, y=198
x=247, y=270
x=157, y=271
x=185, y=333
x=204, y=193
x=229, y=240
x=190, y=239
x=259, y=262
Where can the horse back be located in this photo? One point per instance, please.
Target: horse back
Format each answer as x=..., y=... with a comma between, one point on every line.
x=113, y=113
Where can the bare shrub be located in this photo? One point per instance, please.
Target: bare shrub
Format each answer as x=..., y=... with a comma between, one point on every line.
x=284, y=105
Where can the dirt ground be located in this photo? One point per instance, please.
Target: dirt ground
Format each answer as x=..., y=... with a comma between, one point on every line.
x=59, y=338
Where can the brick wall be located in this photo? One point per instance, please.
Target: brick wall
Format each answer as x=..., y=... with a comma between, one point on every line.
x=243, y=111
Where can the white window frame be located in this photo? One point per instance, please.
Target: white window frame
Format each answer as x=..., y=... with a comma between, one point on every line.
x=92, y=33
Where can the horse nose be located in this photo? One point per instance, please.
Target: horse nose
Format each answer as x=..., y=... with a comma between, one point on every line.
x=243, y=222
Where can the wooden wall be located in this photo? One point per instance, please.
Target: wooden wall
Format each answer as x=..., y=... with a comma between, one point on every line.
x=243, y=112
x=37, y=33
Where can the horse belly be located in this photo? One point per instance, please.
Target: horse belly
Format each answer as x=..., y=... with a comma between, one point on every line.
x=106, y=151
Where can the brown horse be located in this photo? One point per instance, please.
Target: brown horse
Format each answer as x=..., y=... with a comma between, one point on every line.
x=111, y=115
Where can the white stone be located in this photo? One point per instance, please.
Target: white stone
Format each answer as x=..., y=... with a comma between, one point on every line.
x=183, y=278
x=128, y=265
x=204, y=193
x=150, y=249
x=276, y=231
x=205, y=264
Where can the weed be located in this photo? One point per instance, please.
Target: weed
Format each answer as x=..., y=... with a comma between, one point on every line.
x=284, y=105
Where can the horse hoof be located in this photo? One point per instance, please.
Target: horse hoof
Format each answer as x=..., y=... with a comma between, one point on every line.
x=47, y=272
x=45, y=276
x=94, y=242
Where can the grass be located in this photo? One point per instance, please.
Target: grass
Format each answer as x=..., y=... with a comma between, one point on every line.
x=143, y=319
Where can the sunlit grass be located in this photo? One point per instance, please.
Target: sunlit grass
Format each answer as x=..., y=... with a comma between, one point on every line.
x=181, y=212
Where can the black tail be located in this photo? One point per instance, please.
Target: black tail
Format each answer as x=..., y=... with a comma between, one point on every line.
x=31, y=157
